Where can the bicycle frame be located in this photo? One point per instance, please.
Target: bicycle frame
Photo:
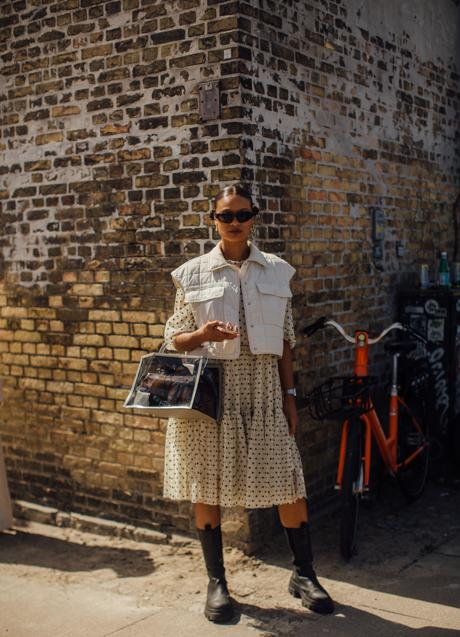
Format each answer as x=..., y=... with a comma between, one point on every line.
x=387, y=445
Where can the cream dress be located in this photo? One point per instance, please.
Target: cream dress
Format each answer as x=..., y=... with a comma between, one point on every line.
x=248, y=459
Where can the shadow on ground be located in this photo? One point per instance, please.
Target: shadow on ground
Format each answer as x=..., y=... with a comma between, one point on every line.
x=395, y=539
x=31, y=549
x=345, y=622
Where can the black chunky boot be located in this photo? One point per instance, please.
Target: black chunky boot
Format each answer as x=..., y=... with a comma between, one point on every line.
x=219, y=606
x=303, y=582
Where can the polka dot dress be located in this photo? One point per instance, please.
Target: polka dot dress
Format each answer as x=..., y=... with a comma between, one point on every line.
x=248, y=459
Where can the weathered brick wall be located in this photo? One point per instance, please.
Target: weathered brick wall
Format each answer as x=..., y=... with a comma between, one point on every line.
x=328, y=107
x=106, y=174
x=350, y=105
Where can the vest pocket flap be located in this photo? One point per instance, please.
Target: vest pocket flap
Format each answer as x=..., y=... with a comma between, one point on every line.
x=204, y=294
x=275, y=289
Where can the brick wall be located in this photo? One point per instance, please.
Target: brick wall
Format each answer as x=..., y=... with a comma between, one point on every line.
x=350, y=106
x=106, y=174
x=327, y=107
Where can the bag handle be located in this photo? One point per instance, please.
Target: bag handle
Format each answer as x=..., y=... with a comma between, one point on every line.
x=163, y=348
x=204, y=358
x=186, y=353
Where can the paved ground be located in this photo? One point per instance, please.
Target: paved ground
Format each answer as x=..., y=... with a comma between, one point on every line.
x=405, y=581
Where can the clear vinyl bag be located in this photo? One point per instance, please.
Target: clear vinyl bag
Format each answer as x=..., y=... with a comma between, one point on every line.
x=178, y=385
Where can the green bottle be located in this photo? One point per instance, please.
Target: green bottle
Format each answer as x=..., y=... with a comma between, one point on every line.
x=444, y=277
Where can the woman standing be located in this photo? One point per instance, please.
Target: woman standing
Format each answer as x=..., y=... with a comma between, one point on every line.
x=250, y=458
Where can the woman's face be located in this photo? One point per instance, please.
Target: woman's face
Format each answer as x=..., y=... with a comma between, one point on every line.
x=235, y=231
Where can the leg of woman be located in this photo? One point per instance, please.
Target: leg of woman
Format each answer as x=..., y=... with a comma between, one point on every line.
x=207, y=514
x=293, y=514
x=219, y=606
x=303, y=583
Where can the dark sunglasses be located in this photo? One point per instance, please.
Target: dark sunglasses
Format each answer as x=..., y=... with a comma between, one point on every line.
x=227, y=216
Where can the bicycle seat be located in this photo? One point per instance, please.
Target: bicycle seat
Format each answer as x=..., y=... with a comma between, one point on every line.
x=400, y=347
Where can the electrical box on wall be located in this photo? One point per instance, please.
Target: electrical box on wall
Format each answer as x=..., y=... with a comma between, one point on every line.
x=209, y=100
x=378, y=224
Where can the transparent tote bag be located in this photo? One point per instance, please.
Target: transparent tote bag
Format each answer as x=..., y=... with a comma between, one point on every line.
x=178, y=385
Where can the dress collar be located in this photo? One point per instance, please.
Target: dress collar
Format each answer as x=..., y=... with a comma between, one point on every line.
x=217, y=259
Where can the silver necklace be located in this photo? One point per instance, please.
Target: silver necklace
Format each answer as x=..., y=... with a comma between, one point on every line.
x=236, y=262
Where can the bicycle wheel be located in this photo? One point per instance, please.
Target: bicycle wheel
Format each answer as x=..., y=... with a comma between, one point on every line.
x=413, y=434
x=351, y=489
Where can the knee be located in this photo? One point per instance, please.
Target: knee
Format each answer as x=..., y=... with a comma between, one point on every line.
x=207, y=514
x=294, y=513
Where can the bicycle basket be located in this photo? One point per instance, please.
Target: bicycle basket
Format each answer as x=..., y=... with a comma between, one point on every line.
x=340, y=395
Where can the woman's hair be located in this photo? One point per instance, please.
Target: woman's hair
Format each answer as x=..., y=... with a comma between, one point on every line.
x=235, y=189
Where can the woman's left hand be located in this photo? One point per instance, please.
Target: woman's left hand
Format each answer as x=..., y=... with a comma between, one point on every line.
x=290, y=411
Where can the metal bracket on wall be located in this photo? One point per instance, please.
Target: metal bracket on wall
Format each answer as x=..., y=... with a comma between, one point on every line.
x=377, y=251
x=378, y=236
x=209, y=100
x=400, y=249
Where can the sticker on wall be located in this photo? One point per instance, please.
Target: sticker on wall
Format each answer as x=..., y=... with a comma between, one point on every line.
x=418, y=323
x=432, y=307
x=413, y=309
x=435, y=331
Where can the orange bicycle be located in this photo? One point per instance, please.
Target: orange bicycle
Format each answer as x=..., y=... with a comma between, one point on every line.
x=404, y=449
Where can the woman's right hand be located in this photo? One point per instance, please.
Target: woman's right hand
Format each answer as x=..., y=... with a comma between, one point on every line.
x=209, y=331
x=188, y=341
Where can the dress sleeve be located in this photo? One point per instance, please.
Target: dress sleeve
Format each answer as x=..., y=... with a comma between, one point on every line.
x=288, y=330
x=181, y=321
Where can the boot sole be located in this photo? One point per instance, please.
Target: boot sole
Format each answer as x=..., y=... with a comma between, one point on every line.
x=218, y=616
x=317, y=607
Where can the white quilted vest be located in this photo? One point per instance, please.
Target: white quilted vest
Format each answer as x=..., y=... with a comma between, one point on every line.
x=212, y=287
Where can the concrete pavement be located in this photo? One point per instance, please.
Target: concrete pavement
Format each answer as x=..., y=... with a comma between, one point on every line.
x=405, y=581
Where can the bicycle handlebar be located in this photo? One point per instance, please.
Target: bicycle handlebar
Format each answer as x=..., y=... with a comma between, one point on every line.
x=309, y=330
x=324, y=321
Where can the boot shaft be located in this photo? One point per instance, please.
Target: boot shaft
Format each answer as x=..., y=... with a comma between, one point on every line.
x=300, y=544
x=211, y=544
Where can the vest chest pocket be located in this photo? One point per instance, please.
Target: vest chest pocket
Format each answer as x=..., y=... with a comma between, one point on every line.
x=207, y=303
x=273, y=300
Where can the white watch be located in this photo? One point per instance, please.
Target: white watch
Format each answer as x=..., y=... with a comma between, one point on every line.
x=290, y=392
